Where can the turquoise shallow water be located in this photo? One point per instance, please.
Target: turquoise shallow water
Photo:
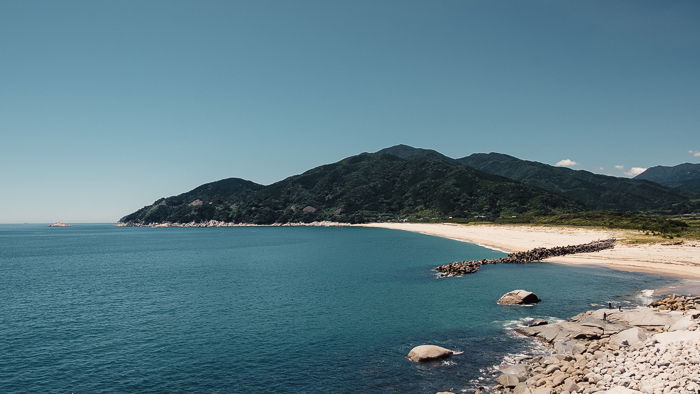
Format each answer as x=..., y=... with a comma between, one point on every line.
x=100, y=308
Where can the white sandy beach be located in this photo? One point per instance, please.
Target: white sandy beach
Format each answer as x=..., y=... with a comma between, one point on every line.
x=661, y=258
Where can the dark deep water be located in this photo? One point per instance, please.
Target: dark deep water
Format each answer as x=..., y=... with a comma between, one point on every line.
x=295, y=309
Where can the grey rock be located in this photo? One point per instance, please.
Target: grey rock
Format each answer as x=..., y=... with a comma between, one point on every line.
x=536, y=322
x=518, y=297
x=559, y=378
x=428, y=352
x=666, y=338
x=519, y=371
x=684, y=323
x=629, y=337
x=551, y=368
x=507, y=380
x=570, y=386
x=522, y=388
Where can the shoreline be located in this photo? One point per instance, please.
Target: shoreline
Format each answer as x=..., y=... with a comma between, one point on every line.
x=667, y=259
x=661, y=258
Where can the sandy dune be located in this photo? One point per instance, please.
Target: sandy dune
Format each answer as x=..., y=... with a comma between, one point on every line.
x=675, y=260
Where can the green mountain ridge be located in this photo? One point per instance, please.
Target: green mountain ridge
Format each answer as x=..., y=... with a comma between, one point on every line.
x=594, y=191
x=362, y=188
x=186, y=207
x=685, y=178
x=406, y=183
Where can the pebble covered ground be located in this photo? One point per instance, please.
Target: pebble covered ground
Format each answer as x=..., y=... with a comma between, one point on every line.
x=654, y=349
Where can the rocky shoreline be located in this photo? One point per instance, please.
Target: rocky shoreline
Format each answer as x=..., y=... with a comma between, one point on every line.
x=459, y=268
x=217, y=223
x=652, y=349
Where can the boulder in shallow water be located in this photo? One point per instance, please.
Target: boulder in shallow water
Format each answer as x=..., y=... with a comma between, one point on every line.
x=428, y=352
x=518, y=297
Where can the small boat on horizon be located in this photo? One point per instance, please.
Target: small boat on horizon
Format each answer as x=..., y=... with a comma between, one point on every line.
x=59, y=224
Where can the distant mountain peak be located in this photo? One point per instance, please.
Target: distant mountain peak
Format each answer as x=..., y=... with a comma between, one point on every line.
x=593, y=190
x=684, y=177
x=410, y=153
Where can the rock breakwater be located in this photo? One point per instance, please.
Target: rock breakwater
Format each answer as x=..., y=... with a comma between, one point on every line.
x=459, y=268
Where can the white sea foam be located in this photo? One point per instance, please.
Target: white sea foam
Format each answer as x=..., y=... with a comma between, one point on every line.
x=511, y=324
x=646, y=296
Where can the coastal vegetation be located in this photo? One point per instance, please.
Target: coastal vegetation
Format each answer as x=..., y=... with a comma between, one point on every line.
x=654, y=224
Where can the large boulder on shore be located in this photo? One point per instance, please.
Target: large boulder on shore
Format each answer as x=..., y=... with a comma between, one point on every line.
x=428, y=352
x=666, y=338
x=518, y=297
x=561, y=332
x=507, y=380
x=629, y=337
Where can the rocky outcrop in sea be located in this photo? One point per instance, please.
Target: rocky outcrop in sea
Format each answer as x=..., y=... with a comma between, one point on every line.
x=459, y=268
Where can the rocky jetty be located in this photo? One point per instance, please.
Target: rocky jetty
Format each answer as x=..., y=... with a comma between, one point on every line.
x=642, y=350
x=673, y=303
x=459, y=268
x=518, y=297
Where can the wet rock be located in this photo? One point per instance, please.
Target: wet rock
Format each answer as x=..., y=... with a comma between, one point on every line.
x=518, y=297
x=535, y=322
x=428, y=352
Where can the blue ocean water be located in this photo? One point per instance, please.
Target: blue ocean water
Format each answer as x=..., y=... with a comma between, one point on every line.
x=297, y=309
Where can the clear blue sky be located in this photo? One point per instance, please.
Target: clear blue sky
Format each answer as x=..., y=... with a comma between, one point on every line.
x=107, y=105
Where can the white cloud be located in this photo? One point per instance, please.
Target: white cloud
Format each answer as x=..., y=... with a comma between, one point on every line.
x=695, y=153
x=634, y=171
x=565, y=163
